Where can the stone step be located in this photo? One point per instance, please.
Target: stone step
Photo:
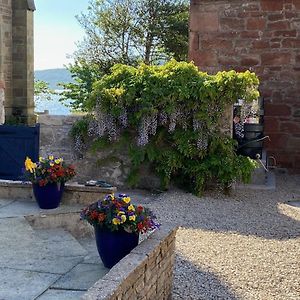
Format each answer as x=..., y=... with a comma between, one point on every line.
x=19, y=208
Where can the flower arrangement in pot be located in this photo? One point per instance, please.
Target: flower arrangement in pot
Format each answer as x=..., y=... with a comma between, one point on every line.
x=118, y=223
x=48, y=177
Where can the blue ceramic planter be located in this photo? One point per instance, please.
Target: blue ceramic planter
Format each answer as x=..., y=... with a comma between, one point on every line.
x=114, y=245
x=48, y=196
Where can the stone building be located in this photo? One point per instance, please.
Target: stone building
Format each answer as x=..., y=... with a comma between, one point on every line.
x=263, y=36
x=16, y=59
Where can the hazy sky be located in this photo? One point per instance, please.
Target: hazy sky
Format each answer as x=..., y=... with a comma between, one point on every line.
x=56, y=31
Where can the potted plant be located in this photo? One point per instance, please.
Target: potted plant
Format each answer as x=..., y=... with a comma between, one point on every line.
x=48, y=177
x=117, y=223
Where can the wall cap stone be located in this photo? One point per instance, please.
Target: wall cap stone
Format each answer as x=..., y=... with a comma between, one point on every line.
x=111, y=283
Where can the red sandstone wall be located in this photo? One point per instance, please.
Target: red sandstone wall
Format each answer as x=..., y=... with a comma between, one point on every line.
x=263, y=36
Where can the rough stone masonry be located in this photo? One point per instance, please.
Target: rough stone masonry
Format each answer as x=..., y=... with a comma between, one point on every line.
x=263, y=36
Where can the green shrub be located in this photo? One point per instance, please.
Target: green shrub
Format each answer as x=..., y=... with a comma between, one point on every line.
x=171, y=115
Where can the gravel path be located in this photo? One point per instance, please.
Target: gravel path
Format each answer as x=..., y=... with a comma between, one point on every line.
x=246, y=246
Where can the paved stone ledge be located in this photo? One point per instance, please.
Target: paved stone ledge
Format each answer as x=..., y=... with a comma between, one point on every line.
x=74, y=193
x=145, y=273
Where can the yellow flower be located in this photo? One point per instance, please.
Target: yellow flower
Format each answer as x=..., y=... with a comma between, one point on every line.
x=131, y=207
x=116, y=221
x=121, y=213
x=112, y=196
x=41, y=158
x=51, y=164
x=51, y=157
x=29, y=165
x=132, y=218
x=126, y=200
x=123, y=217
x=57, y=161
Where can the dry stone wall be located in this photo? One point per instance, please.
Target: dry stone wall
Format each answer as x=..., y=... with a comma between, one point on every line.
x=263, y=36
x=110, y=164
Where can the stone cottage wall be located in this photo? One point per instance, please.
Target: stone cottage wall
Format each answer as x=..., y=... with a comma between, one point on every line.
x=16, y=58
x=6, y=48
x=263, y=36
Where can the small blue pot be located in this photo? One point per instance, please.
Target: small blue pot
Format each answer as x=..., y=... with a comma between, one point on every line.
x=48, y=196
x=114, y=245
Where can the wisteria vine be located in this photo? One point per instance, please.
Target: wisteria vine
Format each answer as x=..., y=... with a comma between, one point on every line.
x=174, y=106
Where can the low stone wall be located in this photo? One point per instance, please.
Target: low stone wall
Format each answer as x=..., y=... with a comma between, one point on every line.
x=73, y=193
x=146, y=273
x=111, y=165
x=54, y=136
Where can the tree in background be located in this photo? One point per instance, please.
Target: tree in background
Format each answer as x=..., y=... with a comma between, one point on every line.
x=129, y=32
x=42, y=91
x=84, y=75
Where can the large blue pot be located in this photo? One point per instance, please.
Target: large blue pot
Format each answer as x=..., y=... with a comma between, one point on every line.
x=114, y=245
x=48, y=196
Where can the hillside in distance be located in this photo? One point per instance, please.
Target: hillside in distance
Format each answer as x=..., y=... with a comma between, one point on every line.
x=53, y=77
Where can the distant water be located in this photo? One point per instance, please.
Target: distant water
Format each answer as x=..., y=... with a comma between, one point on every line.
x=54, y=106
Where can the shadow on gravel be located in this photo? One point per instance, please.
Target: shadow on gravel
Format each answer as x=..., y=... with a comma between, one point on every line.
x=190, y=282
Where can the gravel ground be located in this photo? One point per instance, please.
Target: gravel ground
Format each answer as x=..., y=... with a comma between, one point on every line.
x=246, y=246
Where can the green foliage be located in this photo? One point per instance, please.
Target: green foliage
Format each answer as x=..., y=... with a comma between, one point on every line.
x=80, y=128
x=79, y=91
x=191, y=154
x=42, y=91
x=127, y=32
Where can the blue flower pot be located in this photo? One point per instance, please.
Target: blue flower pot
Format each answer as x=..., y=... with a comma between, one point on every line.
x=114, y=245
x=48, y=196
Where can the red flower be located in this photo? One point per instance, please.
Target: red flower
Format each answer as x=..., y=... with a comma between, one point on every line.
x=140, y=226
x=140, y=208
x=101, y=217
x=42, y=182
x=94, y=215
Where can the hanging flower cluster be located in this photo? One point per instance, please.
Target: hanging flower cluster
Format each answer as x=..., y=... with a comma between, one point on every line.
x=175, y=95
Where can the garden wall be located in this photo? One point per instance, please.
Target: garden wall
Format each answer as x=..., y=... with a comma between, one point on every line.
x=146, y=273
x=263, y=36
x=110, y=165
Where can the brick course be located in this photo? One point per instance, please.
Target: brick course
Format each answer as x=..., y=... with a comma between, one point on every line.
x=263, y=36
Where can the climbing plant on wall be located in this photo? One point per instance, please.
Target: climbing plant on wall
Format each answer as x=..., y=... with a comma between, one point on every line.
x=171, y=116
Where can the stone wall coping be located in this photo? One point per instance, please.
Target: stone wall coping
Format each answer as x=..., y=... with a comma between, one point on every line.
x=111, y=283
x=68, y=187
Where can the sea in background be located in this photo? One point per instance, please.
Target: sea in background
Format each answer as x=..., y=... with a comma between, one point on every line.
x=53, y=77
x=54, y=106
